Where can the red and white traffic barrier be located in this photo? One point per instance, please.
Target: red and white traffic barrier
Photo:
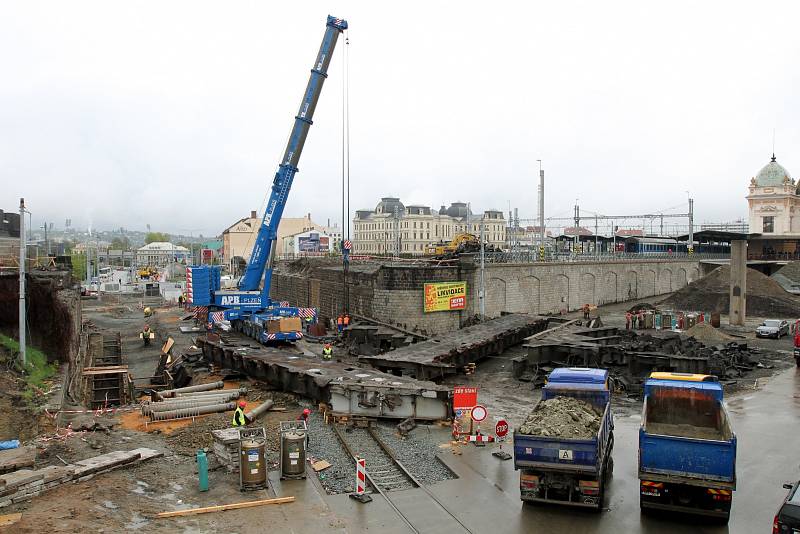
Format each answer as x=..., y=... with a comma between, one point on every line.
x=480, y=438
x=361, y=476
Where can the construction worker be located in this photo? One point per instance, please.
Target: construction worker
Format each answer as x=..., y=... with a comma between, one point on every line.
x=238, y=415
x=339, y=323
x=180, y=300
x=627, y=320
x=346, y=320
x=586, y=311
x=146, y=335
x=327, y=352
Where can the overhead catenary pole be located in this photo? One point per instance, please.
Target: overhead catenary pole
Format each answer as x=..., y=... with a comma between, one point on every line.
x=541, y=205
x=482, y=290
x=690, y=248
x=22, y=314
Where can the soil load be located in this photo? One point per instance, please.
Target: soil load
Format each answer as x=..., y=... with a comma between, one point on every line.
x=563, y=417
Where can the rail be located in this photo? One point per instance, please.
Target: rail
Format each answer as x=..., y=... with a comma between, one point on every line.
x=390, y=454
x=522, y=257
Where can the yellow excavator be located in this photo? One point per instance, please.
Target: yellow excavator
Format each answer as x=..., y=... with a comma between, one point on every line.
x=462, y=243
x=147, y=272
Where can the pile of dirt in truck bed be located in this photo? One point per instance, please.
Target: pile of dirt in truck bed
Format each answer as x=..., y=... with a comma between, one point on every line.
x=765, y=297
x=708, y=334
x=563, y=417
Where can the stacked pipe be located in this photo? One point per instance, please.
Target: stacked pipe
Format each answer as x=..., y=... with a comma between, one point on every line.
x=192, y=401
x=191, y=389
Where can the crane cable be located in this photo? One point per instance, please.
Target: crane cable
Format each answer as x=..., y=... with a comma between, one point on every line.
x=345, y=230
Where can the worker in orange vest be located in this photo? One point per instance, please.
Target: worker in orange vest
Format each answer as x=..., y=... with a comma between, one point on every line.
x=339, y=323
x=627, y=320
x=346, y=320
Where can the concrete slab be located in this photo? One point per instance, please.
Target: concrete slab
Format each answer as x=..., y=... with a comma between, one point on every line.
x=449, y=353
x=350, y=390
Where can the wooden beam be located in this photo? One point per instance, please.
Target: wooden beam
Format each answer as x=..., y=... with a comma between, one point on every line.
x=222, y=507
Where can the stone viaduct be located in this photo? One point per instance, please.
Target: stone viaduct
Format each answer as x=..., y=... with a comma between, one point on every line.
x=393, y=293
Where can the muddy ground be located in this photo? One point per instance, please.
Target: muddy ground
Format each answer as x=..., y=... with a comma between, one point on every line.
x=126, y=499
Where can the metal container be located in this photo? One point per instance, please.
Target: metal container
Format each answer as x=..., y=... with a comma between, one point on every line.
x=252, y=459
x=293, y=449
x=715, y=319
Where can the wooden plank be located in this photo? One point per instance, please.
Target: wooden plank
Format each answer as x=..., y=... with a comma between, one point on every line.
x=222, y=507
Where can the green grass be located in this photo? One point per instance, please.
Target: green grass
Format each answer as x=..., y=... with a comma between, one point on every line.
x=37, y=370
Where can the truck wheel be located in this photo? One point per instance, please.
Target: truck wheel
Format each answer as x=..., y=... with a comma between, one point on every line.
x=797, y=361
x=610, y=468
x=724, y=519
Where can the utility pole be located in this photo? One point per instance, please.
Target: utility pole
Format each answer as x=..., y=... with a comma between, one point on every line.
x=482, y=291
x=22, y=313
x=577, y=226
x=690, y=248
x=541, y=206
x=46, y=242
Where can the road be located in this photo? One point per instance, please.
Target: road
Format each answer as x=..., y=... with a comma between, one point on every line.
x=767, y=424
x=486, y=495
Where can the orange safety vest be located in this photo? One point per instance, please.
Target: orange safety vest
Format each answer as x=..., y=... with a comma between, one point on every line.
x=346, y=320
x=339, y=320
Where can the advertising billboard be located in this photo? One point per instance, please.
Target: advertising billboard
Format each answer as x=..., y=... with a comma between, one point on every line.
x=313, y=243
x=445, y=296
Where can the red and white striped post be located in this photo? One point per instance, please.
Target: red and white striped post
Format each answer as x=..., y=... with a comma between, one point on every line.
x=361, y=476
x=361, y=482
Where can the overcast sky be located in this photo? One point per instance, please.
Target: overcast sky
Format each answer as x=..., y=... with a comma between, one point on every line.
x=175, y=114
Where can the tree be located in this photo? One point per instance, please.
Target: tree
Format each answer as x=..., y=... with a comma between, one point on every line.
x=120, y=243
x=153, y=237
x=79, y=266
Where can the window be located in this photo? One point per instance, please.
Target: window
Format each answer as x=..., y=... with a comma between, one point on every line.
x=769, y=225
x=415, y=224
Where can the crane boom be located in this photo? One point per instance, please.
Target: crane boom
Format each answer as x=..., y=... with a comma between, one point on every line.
x=263, y=255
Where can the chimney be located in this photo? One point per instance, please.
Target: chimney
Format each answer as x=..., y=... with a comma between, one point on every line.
x=253, y=214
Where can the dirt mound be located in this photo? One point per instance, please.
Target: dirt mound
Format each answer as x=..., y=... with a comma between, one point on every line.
x=788, y=277
x=642, y=307
x=708, y=334
x=765, y=297
x=563, y=417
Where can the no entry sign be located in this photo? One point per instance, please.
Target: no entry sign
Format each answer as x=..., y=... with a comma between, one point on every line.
x=479, y=413
x=501, y=428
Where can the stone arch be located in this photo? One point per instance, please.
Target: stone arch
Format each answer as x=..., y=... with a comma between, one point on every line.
x=496, y=297
x=665, y=281
x=530, y=287
x=587, y=290
x=561, y=287
x=609, y=288
x=649, y=283
x=631, y=287
x=694, y=274
x=681, y=281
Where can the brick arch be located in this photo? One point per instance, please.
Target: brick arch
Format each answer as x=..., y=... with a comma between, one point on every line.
x=561, y=292
x=587, y=289
x=665, y=281
x=649, y=283
x=631, y=287
x=681, y=281
x=496, y=297
x=609, y=293
x=530, y=288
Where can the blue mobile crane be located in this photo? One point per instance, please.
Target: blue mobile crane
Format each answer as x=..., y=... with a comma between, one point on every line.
x=248, y=308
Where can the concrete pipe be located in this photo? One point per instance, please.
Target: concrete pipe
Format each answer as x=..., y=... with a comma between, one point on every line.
x=255, y=413
x=147, y=409
x=222, y=398
x=241, y=391
x=192, y=389
x=192, y=412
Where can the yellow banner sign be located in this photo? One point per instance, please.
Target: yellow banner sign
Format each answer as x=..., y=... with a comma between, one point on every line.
x=445, y=296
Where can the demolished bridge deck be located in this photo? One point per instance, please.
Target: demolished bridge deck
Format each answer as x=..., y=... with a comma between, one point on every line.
x=447, y=354
x=349, y=390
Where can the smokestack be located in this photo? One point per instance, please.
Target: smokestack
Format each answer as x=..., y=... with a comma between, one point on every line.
x=253, y=214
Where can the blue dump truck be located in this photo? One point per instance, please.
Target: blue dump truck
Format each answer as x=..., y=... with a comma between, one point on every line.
x=565, y=457
x=687, y=449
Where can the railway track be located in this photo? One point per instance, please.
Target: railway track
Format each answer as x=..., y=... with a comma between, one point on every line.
x=385, y=473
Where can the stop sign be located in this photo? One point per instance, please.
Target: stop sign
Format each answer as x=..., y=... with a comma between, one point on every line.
x=501, y=428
